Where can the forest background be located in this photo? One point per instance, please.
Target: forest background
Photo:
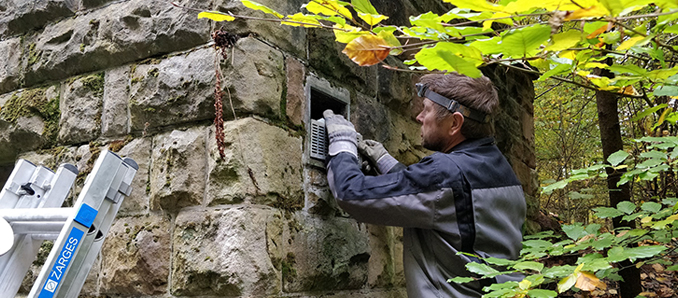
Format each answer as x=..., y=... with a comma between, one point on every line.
x=605, y=123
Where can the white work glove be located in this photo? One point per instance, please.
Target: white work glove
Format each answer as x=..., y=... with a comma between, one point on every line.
x=341, y=134
x=377, y=154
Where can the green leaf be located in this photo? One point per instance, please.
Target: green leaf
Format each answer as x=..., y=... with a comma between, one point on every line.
x=525, y=42
x=593, y=228
x=529, y=265
x=261, y=7
x=643, y=252
x=616, y=254
x=499, y=261
x=630, y=69
x=654, y=154
x=537, y=243
x=558, y=271
x=604, y=241
x=215, y=16
x=651, y=207
x=364, y=6
x=672, y=268
x=428, y=20
x=558, y=185
x=461, y=280
x=666, y=91
x=626, y=207
x=575, y=231
x=607, y=212
x=661, y=74
x=481, y=269
x=538, y=293
x=618, y=157
x=447, y=56
x=559, y=69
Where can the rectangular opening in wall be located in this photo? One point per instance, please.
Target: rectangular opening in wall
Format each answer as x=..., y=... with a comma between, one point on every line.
x=321, y=96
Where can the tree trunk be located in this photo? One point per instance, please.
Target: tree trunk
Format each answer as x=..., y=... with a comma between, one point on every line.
x=610, y=136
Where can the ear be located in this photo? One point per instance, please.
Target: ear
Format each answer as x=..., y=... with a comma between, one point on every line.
x=456, y=123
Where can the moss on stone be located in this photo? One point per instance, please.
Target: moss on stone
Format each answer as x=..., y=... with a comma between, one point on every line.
x=153, y=72
x=33, y=54
x=95, y=83
x=34, y=102
x=287, y=268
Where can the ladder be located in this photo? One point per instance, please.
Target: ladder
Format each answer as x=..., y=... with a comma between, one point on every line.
x=30, y=213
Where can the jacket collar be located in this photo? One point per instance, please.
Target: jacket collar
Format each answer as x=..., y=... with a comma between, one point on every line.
x=472, y=143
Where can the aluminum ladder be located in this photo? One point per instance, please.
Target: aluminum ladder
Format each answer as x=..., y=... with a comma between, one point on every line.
x=30, y=213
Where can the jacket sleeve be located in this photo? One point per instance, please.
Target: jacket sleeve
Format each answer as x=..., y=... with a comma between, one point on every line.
x=412, y=197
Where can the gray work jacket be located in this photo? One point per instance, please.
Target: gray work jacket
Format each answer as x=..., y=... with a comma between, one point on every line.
x=468, y=200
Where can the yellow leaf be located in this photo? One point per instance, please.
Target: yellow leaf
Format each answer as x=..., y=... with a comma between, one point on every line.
x=588, y=282
x=568, y=54
x=215, y=16
x=300, y=20
x=595, y=65
x=392, y=41
x=371, y=19
x=328, y=7
x=593, y=11
x=627, y=44
x=564, y=40
x=347, y=33
x=477, y=5
x=646, y=219
x=367, y=50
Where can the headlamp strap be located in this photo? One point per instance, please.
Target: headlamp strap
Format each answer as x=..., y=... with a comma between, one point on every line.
x=455, y=106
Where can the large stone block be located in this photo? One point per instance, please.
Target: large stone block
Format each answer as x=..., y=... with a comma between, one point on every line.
x=262, y=165
x=290, y=39
x=81, y=105
x=139, y=150
x=326, y=57
x=255, y=77
x=136, y=256
x=176, y=90
x=227, y=252
x=178, y=172
x=111, y=36
x=29, y=120
x=325, y=254
x=10, y=69
x=20, y=16
x=114, y=118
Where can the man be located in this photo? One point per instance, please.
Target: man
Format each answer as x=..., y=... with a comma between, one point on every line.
x=463, y=198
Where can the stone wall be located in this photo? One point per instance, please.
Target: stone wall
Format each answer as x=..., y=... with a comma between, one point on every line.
x=137, y=77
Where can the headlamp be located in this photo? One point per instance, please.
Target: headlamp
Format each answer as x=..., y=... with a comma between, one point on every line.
x=451, y=105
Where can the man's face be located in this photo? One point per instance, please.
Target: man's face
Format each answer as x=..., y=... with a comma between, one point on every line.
x=434, y=133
